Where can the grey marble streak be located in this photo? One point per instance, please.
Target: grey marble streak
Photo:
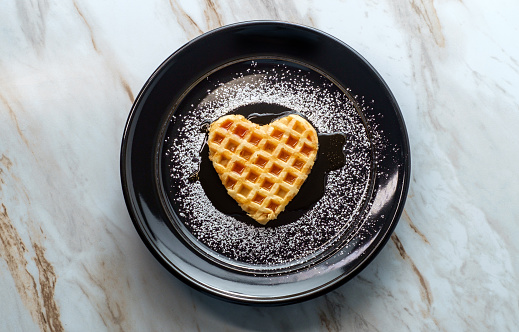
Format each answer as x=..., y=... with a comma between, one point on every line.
x=70, y=258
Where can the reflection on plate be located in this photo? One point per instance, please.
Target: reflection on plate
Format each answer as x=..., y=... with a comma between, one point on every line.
x=335, y=225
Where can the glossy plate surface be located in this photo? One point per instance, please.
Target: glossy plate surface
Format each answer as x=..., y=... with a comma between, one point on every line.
x=265, y=67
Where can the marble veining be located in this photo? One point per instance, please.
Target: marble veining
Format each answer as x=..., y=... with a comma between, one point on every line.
x=70, y=259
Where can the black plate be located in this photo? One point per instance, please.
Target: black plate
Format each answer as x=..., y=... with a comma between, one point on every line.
x=265, y=67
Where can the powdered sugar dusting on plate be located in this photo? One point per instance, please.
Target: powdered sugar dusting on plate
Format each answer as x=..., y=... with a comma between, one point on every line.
x=332, y=219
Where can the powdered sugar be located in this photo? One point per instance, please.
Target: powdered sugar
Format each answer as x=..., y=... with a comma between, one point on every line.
x=329, y=109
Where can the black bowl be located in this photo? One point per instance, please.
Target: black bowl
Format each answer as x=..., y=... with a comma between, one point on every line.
x=189, y=79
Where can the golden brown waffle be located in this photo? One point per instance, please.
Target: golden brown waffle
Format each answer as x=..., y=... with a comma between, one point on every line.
x=262, y=167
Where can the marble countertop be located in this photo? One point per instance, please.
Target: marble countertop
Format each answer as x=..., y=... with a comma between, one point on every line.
x=70, y=258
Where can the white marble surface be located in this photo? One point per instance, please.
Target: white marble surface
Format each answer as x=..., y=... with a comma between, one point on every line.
x=70, y=258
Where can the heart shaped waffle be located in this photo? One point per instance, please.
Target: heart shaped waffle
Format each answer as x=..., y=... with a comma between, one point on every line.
x=262, y=167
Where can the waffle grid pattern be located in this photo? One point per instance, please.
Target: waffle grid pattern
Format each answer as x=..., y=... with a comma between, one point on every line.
x=262, y=167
